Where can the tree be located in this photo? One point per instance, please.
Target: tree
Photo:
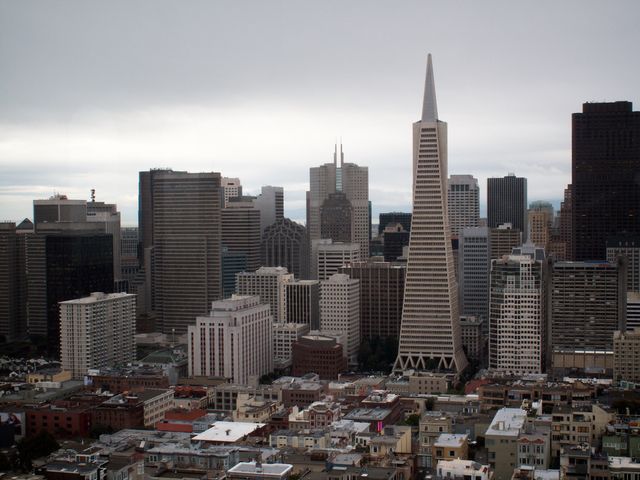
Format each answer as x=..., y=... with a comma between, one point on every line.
x=412, y=420
x=39, y=445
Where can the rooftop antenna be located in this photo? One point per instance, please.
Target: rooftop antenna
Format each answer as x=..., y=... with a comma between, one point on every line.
x=341, y=154
x=93, y=194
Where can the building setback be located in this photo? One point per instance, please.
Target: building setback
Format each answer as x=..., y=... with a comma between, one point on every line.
x=179, y=228
x=235, y=341
x=97, y=331
x=605, y=165
x=507, y=202
x=431, y=290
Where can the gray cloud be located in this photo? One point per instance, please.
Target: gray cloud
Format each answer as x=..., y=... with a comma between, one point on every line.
x=92, y=92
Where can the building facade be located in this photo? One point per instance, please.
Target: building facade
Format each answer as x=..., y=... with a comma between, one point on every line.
x=97, y=331
x=303, y=302
x=516, y=323
x=268, y=283
x=331, y=256
x=285, y=244
x=234, y=341
x=241, y=233
x=474, y=264
x=626, y=356
x=340, y=311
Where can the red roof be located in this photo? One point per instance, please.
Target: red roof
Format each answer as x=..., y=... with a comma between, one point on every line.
x=174, y=427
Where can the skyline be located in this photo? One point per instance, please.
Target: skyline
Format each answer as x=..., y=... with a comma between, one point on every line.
x=95, y=94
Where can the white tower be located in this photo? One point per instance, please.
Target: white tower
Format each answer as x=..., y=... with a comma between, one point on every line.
x=430, y=330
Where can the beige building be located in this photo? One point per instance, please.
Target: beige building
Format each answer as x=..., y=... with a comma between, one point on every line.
x=626, y=356
x=268, y=283
x=449, y=446
x=571, y=426
x=235, y=341
x=232, y=188
x=432, y=425
x=463, y=196
x=156, y=402
x=430, y=329
x=340, y=311
x=255, y=409
x=540, y=219
x=284, y=336
x=503, y=239
x=97, y=331
x=501, y=440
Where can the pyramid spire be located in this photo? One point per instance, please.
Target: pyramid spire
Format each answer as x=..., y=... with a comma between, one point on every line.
x=429, y=106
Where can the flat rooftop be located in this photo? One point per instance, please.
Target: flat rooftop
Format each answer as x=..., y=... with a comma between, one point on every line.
x=507, y=422
x=227, y=432
x=264, y=468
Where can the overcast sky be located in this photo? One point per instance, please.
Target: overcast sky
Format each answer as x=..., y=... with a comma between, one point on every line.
x=93, y=92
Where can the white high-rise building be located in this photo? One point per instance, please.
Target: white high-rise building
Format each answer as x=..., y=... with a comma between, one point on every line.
x=516, y=328
x=232, y=188
x=464, y=202
x=331, y=256
x=235, y=341
x=430, y=331
x=269, y=283
x=340, y=311
x=97, y=331
x=353, y=181
x=474, y=263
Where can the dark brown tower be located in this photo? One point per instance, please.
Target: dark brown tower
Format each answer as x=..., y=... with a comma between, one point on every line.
x=605, y=176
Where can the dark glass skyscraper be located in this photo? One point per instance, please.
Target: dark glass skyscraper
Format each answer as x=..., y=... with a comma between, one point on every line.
x=507, y=202
x=605, y=176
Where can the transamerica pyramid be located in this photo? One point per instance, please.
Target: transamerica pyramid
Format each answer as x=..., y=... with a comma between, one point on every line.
x=430, y=330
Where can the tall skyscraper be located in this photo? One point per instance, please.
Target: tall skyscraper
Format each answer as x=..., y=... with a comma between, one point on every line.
x=331, y=256
x=540, y=220
x=403, y=218
x=474, y=264
x=381, y=296
x=108, y=216
x=241, y=230
x=349, y=179
x=516, y=315
x=336, y=218
x=503, y=239
x=13, y=314
x=284, y=244
x=464, y=202
x=507, y=202
x=626, y=246
x=605, y=169
x=303, y=302
x=234, y=341
x=97, y=331
x=179, y=228
x=430, y=331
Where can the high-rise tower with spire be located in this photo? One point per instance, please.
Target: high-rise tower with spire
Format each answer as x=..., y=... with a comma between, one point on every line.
x=430, y=330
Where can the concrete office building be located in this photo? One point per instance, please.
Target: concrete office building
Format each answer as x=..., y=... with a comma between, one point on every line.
x=303, y=302
x=473, y=338
x=234, y=341
x=285, y=335
x=179, y=229
x=285, y=244
x=270, y=203
x=587, y=303
x=349, y=179
x=626, y=356
x=381, y=296
x=604, y=176
x=331, y=256
x=503, y=240
x=97, y=331
x=507, y=202
x=340, y=311
x=129, y=265
x=627, y=246
x=431, y=290
x=464, y=203
x=474, y=264
x=269, y=284
x=59, y=208
x=516, y=315
x=633, y=310
x=241, y=232
x=231, y=188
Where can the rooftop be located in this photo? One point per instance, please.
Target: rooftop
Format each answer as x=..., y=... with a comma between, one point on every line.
x=507, y=422
x=228, y=432
x=264, y=468
x=451, y=440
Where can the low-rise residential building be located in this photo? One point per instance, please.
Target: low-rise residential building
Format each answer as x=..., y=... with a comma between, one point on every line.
x=449, y=446
x=250, y=408
x=466, y=469
x=534, y=446
x=393, y=440
x=432, y=425
x=302, y=439
x=258, y=470
x=582, y=425
x=501, y=440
